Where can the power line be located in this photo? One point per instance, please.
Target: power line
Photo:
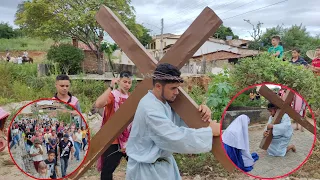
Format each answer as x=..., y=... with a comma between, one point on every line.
x=247, y=11
x=238, y=7
x=223, y=5
x=255, y=10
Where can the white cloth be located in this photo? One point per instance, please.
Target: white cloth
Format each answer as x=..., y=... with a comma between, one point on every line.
x=282, y=134
x=19, y=60
x=158, y=132
x=236, y=135
x=34, y=150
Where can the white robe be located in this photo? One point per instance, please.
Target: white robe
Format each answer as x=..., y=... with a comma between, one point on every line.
x=237, y=136
x=282, y=134
x=158, y=132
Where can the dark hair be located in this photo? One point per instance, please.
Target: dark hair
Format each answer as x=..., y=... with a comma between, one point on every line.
x=62, y=77
x=276, y=37
x=318, y=47
x=51, y=151
x=169, y=69
x=272, y=106
x=126, y=74
x=297, y=50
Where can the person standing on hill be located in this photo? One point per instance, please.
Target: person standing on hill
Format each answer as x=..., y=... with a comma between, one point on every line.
x=276, y=50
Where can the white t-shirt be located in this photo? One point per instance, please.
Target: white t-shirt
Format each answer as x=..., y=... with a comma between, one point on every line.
x=19, y=60
x=15, y=131
x=34, y=150
x=78, y=137
x=47, y=136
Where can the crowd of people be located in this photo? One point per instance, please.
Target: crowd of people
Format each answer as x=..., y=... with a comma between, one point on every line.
x=59, y=140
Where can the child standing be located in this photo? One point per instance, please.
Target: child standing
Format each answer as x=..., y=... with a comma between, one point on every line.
x=42, y=171
x=52, y=164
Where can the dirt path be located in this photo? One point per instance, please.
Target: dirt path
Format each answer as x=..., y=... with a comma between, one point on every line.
x=9, y=171
x=268, y=166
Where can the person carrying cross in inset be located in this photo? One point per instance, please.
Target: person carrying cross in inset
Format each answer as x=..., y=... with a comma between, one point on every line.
x=158, y=131
x=236, y=143
x=111, y=100
x=281, y=132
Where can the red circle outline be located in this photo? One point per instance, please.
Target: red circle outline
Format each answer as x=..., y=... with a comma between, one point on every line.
x=51, y=99
x=282, y=86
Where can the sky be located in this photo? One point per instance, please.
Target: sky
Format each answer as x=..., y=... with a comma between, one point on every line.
x=179, y=14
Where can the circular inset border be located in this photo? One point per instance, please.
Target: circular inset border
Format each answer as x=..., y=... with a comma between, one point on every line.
x=50, y=99
x=282, y=86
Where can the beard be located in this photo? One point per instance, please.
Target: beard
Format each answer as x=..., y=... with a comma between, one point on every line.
x=162, y=95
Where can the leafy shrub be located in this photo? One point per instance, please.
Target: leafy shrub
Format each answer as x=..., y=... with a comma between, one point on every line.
x=67, y=56
x=265, y=68
x=219, y=94
x=243, y=100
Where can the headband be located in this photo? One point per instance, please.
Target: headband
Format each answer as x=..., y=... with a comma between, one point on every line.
x=166, y=77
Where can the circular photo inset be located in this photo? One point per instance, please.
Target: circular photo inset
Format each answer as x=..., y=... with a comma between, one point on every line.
x=268, y=131
x=48, y=139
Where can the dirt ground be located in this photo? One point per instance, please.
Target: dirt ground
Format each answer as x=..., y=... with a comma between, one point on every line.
x=310, y=170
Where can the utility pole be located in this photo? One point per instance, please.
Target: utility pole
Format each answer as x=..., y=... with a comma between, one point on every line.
x=161, y=51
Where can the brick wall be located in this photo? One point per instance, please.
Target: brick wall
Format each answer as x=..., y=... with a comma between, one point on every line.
x=90, y=63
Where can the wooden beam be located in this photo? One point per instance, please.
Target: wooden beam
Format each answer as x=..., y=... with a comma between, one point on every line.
x=193, y=38
x=266, y=141
x=285, y=107
x=146, y=64
x=276, y=100
x=126, y=40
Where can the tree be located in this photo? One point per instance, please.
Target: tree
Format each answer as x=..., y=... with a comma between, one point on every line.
x=257, y=32
x=224, y=31
x=67, y=56
x=109, y=48
x=59, y=19
x=145, y=39
x=270, y=32
x=6, y=31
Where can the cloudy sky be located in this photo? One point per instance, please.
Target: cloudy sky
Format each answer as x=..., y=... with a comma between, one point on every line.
x=179, y=14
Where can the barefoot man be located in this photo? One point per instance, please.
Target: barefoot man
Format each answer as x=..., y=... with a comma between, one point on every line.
x=282, y=134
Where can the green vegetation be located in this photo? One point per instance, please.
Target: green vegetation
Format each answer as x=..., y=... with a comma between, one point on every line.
x=25, y=43
x=68, y=58
x=294, y=37
x=50, y=19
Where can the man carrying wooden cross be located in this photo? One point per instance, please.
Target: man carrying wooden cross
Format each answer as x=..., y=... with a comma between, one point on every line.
x=282, y=133
x=158, y=132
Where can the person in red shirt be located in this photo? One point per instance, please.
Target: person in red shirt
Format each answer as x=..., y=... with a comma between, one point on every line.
x=110, y=100
x=316, y=62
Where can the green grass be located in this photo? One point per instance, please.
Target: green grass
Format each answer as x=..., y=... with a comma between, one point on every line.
x=26, y=43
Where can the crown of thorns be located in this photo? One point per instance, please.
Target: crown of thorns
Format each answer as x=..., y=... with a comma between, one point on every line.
x=157, y=75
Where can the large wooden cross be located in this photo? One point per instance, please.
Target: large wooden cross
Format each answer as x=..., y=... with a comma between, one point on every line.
x=200, y=30
x=284, y=107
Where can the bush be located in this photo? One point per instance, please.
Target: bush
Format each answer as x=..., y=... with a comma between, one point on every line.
x=67, y=56
x=243, y=100
x=219, y=94
x=265, y=68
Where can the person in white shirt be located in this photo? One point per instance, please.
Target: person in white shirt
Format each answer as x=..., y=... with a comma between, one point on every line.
x=36, y=152
x=19, y=60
